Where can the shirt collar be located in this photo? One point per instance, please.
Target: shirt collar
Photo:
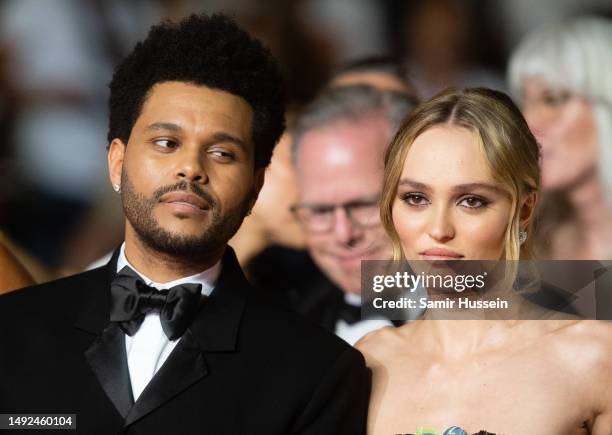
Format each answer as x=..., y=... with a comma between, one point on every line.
x=352, y=299
x=207, y=278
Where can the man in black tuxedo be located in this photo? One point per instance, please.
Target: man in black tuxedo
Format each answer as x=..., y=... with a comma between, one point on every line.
x=169, y=337
x=338, y=146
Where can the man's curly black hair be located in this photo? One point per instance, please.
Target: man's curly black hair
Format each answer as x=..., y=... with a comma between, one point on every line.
x=203, y=50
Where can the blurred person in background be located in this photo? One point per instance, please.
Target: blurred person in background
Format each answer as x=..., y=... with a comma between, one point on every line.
x=561, y=77
x=381, y=72
x=443, y=42
x=338, y=146
x=271, y=222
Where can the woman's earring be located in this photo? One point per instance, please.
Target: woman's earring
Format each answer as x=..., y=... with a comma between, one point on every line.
x=522, y=236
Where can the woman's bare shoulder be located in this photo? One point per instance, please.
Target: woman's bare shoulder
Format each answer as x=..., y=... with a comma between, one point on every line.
x=380, y=344
x=376, y=341
x=585, y=344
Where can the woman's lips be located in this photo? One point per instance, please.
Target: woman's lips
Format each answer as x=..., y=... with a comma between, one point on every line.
x=440, y=254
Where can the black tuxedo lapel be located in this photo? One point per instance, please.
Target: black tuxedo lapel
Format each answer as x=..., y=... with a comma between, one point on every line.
x=103, y=342
x=214, y=329
x=108, y=359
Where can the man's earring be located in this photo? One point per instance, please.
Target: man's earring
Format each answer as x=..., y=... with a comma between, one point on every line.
x=522, y=236
x=117, y=188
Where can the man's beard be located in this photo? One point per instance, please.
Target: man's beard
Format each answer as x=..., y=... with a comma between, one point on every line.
x=138, y=210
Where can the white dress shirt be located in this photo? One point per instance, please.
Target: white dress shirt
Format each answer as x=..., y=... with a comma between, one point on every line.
x=148, y=349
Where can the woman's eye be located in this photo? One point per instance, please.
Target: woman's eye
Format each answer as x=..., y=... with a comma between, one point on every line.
x=473, y=202
x=556, y=98
x=414, y=199
x=165, y=143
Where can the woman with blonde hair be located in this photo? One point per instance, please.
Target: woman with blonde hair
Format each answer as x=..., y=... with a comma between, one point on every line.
x=561, y=77
x=461, y=183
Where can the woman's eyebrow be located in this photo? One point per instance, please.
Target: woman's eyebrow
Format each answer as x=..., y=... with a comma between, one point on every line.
x=457, y=188
x=414, y=184
x=474, y=186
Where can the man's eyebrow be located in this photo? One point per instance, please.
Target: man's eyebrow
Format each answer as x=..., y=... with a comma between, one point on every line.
x=168, y=126
x=226, y=137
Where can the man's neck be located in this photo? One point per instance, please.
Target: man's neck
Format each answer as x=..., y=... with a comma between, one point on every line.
x=161, y=267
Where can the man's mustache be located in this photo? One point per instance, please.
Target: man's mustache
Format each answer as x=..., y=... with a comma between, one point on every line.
x=188, y=187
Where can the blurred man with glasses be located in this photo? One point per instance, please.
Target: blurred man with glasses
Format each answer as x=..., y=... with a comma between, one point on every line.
x=338, y=148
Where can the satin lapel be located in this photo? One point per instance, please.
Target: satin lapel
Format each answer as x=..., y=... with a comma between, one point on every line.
x=184, y=366
x=108, y=360
x=102, y=341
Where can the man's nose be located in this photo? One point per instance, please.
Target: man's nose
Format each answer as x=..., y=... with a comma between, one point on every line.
x=345, y=230
x=191, y=167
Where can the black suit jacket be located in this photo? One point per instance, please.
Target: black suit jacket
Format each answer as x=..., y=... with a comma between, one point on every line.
x=292, y=277
x=244, y=366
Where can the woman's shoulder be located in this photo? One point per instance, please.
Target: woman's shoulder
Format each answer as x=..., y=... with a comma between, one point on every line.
x=374, y=339
x=378, y=345
x=586, y=345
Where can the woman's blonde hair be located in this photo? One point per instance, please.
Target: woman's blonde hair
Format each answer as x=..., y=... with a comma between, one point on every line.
x=511, y=151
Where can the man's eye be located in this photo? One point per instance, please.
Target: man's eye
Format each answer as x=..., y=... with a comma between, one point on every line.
x=414, y=199
x=222, y=154
x=321, y=210
x=166, y=143
x=473, y=202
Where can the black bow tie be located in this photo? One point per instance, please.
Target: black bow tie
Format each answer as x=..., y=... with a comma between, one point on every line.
x=351, y=314
x=132, y=299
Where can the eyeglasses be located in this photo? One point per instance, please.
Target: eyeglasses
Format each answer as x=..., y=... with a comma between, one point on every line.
x=320, y=218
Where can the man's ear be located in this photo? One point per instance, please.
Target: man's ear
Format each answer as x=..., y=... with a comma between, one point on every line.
x=527, y=210
x=116, y=153
x=258, y=181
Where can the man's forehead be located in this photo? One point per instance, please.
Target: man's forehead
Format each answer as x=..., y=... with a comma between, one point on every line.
x=344, y=143
x=332, y=184
x=184, y=105
x=168, y=95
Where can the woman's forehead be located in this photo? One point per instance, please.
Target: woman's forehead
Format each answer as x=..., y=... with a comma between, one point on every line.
x=447, y=152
